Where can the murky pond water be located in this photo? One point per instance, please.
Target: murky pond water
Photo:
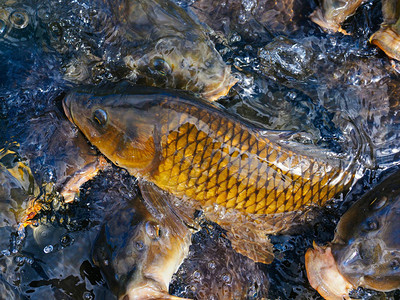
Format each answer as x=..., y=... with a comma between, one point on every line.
x=334, y=91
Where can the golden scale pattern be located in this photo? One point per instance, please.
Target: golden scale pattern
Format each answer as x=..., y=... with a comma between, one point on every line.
x=213, y=159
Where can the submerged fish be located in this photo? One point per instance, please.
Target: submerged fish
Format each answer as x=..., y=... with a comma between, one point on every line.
x=154, y=42
x=366, y=248
x=247, y=180
x=174, y=52
x=59, y=166
x=138, y=253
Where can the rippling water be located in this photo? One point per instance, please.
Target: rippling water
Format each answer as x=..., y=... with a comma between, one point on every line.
x=334, y=91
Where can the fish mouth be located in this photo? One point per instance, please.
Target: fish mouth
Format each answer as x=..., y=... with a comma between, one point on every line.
x=228, y=80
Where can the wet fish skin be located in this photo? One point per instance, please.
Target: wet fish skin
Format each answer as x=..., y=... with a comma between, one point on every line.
x=193, y=149
x=204, y=156
x=167, y=48
x=365, y=250
x=367, y=244
x=137, y=253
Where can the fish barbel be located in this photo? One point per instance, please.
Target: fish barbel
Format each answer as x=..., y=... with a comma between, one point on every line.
x=217, y=162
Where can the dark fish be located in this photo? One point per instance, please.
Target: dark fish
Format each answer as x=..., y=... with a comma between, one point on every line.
x=152, y=42
x=242, y=177
x=366, y=248
x=175, y=51
x=138, y=253
x=58, y=157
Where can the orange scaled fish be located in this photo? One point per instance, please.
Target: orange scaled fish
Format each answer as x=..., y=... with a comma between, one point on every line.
x=248, y=180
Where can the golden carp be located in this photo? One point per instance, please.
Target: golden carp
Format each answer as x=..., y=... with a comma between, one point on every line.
x=366, y=248
x=245, y=179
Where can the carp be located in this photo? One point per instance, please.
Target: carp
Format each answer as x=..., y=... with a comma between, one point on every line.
x=174, y=52
x=152, y=42
x=250, y=181
x=138, y=253
x=366, y=248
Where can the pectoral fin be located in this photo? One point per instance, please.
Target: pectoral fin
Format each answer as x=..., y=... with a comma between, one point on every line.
x=161, y=205
x=251, y=243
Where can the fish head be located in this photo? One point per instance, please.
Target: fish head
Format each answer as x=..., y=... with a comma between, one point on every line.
x=171, y=50
x=367, y=242
x=186, y=64
x=137, y=254
x=122, y=127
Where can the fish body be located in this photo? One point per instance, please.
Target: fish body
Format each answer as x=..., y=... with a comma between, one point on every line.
x=152, y=42
x=206, y=157
x=366, y=248
x=174, y=50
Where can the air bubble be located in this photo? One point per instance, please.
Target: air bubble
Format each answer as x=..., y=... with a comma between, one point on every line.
x=88, y=296
x=19, y=19
x=196, y=275
x=212, y=265
x=19, y=260
x=139, y=245
x=43, y=14
x=226, y=278
x=48, y=249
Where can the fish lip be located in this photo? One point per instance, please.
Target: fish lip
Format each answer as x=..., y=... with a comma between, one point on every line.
x=66, y=103
x=228, y=81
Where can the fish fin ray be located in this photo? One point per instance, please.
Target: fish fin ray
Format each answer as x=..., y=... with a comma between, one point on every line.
x=159, y=204
x=253, y=244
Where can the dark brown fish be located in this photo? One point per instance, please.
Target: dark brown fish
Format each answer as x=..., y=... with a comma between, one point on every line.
x=366, y=248
x=138, y=253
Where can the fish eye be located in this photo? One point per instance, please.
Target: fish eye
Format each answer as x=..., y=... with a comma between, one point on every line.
x=378, y=203
x=161, y=66
x=395, y=264
x=100, y=117
x=139, y=245
x=153, y=230
x=371, y=225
